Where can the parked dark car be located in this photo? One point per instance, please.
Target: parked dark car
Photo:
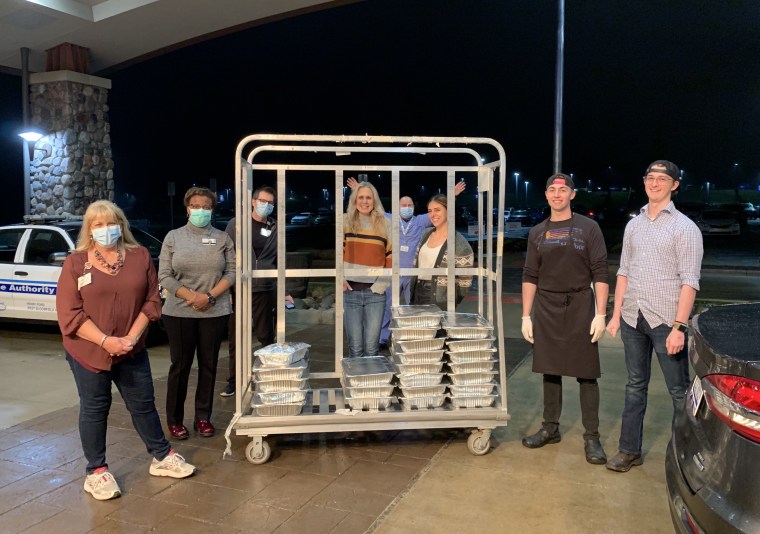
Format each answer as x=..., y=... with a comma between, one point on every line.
x=324, y=216
x=718, y=222
x=737, y=210
x=711, y=463
x=690, y=209
x=749, y=210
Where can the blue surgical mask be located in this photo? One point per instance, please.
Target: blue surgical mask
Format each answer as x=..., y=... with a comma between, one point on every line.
x=264, y=209
x=406, y=213
x=107, y=236
x=200, y=218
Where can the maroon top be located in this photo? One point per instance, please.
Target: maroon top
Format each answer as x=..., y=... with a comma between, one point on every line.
x=111, y=302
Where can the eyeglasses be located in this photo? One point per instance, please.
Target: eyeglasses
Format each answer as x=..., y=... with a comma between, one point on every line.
x=199, y=207
x=657, y=179
x=270, y=202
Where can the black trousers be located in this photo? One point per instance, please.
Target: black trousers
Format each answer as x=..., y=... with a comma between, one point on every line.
x=264, y=322
x=186, y=337
x=589, y=394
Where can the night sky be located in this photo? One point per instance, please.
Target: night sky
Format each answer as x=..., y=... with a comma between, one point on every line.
x=644, y=80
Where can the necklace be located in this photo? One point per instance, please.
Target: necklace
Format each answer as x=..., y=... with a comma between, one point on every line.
x=112, y=269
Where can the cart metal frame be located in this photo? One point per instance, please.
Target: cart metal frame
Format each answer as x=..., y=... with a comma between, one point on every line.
x=326, y=409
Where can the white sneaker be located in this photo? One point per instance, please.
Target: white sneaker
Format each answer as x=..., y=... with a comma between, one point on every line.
x=101, y=485
x=174, y=465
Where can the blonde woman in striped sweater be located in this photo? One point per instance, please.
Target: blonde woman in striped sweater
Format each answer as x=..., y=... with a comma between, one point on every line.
x=366, y=243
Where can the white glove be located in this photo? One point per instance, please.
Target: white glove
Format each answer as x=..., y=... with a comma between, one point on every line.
x=527, y=329
x=597, y=328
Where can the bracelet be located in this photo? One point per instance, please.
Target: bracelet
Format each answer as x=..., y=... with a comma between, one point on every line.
x=103, y=340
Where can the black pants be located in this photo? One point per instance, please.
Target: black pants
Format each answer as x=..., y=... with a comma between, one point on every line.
x=589, y=394
x=186, y=337
x=264, y=315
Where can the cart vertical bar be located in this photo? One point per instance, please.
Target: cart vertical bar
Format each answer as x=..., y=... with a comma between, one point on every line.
x=281, y=256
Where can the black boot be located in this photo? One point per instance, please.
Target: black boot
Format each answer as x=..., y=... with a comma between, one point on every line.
x=594, y=452
x=541, y=438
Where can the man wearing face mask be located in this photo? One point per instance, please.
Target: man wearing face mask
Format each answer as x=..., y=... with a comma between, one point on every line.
x=410, y=231
x=264, y=296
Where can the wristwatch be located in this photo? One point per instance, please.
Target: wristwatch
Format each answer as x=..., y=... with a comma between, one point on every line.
x=681, y=327
x=211, y=299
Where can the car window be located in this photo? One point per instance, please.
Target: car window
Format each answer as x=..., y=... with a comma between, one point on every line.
x=9, y=239
x=148, y=241
x=42, y=244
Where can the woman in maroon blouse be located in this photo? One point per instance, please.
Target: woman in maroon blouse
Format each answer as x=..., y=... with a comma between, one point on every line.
x=107, y=296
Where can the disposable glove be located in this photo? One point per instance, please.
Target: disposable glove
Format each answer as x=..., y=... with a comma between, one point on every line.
x=597, y=328
x=527, y=329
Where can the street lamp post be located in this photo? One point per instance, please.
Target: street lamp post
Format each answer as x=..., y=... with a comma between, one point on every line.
x=526, y=192
x=517, y=192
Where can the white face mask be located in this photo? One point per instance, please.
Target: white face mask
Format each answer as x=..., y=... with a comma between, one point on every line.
x=264, y=209
x=107, y=236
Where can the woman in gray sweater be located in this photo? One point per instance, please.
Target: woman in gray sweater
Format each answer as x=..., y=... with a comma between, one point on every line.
x=197, y=269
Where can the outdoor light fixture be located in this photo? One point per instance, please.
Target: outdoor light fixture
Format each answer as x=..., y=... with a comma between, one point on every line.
x=30, y=135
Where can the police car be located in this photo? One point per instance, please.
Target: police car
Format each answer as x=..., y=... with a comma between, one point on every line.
x=31, y=256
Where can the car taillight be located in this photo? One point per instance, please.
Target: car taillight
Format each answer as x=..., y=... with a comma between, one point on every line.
x=736, y=401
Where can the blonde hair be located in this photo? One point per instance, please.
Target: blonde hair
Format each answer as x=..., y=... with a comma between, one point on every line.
x=111, y=212
x=351, y=223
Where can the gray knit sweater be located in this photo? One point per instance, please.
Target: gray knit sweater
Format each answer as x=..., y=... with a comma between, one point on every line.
x=196, y=258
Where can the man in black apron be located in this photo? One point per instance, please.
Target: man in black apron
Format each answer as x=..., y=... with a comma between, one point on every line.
x=566, y=254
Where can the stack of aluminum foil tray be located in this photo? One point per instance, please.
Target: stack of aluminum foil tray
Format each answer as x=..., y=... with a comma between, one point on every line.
x=418, y=355
x=471, y=360
x=280, y=379
x=368, y=382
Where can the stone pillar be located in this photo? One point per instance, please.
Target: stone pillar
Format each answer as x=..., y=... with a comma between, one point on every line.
x=71, y=165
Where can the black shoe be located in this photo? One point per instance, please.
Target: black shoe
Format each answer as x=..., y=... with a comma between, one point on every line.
x=228, y=391
x=622, y=462
x=541, y=438
x=594, y=452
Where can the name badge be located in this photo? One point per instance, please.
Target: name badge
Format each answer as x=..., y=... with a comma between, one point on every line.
x=84, y=280
x=208, y=241
x=404, y=248
x=266, y=232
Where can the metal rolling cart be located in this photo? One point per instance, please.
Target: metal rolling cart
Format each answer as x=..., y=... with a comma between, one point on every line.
x=452, y=157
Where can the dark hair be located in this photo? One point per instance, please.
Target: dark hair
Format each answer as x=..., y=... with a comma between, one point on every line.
x=201, y=192
x=265, y=189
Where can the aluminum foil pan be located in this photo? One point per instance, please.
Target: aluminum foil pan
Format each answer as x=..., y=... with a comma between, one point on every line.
x=279, y=355
x=422, y=379
x=410, y=333
x=369, y=403
x=369, y=371
x=295, y=371
x=281, y=386
x=431, y=356
x=474, y=401
x=466, y=326
x=426, y=315
x=472, y=389
x=473, y=367
x=471, y=344
x=277, y=410
x=465, y=379
x=423, y=391
x=283, y=397
x=385, y=390
x=417, y=368
x=422, y=403
x=423, y=345
x=471, y=355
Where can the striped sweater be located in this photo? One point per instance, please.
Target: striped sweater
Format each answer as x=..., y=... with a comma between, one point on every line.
x=368, y=248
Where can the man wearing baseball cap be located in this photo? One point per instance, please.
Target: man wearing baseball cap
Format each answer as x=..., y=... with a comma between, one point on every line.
x=656, y=286
x=566, y=255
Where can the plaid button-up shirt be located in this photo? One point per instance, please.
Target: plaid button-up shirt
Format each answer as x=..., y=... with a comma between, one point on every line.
x=659, y=256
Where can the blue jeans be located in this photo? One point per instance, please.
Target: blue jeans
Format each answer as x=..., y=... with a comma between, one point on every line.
x=134, y=381
x=404, y=293
x=362, y=318
x=638, y=343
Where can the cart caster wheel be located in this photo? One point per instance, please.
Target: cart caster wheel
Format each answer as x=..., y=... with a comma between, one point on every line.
x=258, y=457
x=479, y=443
